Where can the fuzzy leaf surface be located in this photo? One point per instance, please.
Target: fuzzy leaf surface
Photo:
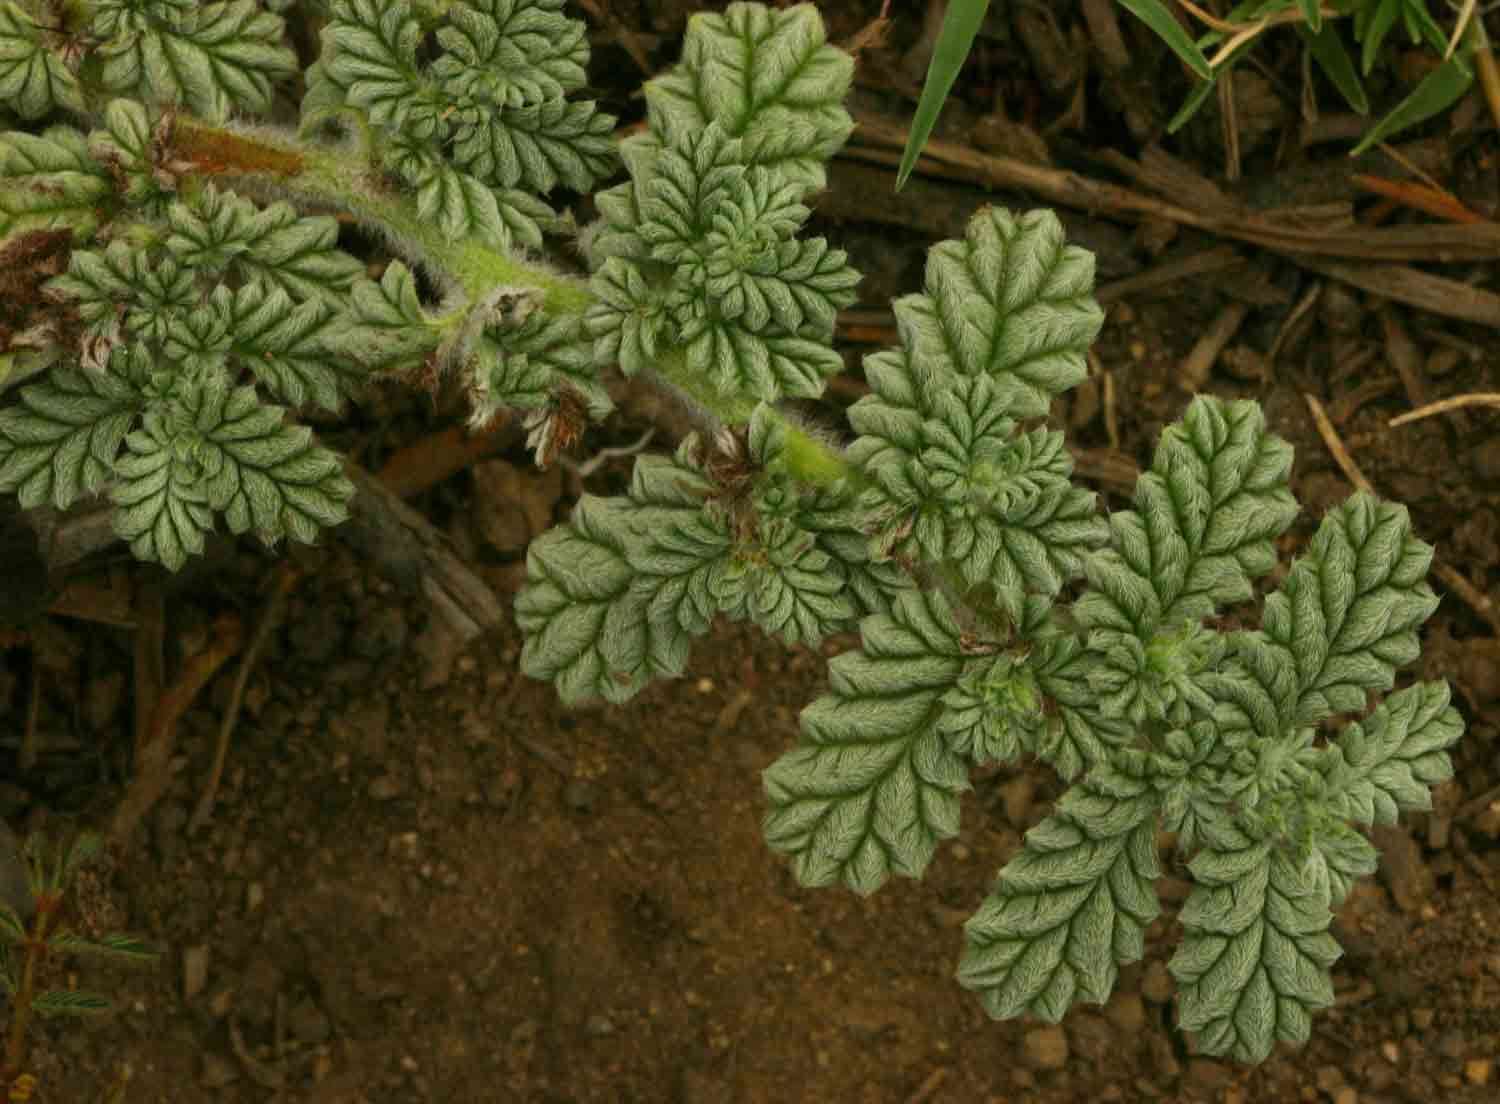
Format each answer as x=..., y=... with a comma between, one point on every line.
x=1071, y=907
x=613, y=597
x=873, y=787
x=1348, y=612
x=1205, y=517
x=210, y=58
x=1256, y=951
x=33, y=80
x=763, y=74
x=49, y=181
x=1389, y=762
x=61, y=440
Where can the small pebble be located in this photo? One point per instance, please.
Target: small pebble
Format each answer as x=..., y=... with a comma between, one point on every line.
x=580, y=795
x=1346, y=1095
x=216, y=1072
x=597, y=1026
x=194, y=971
x=1156, y=985
x=386, y=787
x=1477, y=1071
x=1046, y=1048
x=1329, y=1079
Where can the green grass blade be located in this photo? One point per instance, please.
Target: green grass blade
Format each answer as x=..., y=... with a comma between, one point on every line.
x=1439, y=90
x=1312, y=14
x=960, y=25
x=1327, y=49
x=1380, y=25
x=1155, y=15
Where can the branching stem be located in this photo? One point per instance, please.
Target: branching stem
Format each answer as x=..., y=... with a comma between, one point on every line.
x=272, y=166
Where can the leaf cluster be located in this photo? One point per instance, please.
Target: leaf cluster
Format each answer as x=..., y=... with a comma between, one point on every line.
x=1000, y=617
x=698, y=258
x=172, y=326
x=162, y=340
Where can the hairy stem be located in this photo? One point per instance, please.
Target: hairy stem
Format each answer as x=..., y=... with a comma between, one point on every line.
x=273, y=166
x=270, y=166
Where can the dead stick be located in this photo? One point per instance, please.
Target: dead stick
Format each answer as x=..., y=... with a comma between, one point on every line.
x=1471, y=596
x=1336, y=447
x=153, y=762
x=150, y=667
x=1426, y=242
x=1205, y=351
x=425, y=463
x=1442, y=406
x=282, y=584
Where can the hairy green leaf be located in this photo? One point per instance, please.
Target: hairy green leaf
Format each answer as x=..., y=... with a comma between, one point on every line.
x=765, y=75
x=1348, y=612
x=385, y=328
x=61, y=440
x=613, y=597
x=1255, y=954
x=209, y=58
x=49, y=181
x=873, y=786
x=1206, y=516
x=33, y=80
x=1390, y=761
x=1011, y=301
x=953, y=481
x=1071, y=907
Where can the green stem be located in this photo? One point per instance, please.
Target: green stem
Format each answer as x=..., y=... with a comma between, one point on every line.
x=320, y=177
x=270, y=166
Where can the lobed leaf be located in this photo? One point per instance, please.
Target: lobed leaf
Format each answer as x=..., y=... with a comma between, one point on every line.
x=873, y=786
x=765, y=75
x=61, y=440
x=1206, y=517
x=1348, y=612
x=613, y=598
x=1071, y=907
x=1390, y=761
x=1012, y=301
x=33, y=80
x=1255, y=954
x=209, y=58
x=49, y=181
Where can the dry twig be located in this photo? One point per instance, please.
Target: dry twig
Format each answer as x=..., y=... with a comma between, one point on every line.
x=1442, y=406
x=1336, y=447
x=153, y=758
x=285, y=579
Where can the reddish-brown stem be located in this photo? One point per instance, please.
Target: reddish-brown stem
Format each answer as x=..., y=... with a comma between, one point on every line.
x=212, y=150
x=20, y=1017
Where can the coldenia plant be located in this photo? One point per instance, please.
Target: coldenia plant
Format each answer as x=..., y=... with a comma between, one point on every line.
x=1000, y=615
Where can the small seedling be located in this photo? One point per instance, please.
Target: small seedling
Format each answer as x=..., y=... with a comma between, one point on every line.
x=28, y=942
